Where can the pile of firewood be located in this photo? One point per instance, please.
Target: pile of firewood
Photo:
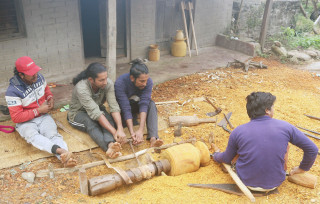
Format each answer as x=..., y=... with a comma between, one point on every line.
x=246, y=65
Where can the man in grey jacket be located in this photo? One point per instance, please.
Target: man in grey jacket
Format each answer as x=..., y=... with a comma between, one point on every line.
x=87, y=112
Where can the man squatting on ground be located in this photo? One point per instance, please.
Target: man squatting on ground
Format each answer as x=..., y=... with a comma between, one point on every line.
x=133, y=92
x=29, y=100
x=262, y=146
x=87, y=112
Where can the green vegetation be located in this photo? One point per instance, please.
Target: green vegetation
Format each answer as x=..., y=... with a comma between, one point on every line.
x=303, y=25
x=302, y=35
x=292, y=39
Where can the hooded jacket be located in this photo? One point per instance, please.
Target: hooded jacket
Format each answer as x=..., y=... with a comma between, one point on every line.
x=23, y=100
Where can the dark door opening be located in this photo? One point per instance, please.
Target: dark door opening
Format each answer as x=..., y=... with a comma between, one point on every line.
x=121, y=28
x=90, y=27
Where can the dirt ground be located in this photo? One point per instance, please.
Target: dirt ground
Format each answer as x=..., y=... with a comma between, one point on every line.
x=297, y=91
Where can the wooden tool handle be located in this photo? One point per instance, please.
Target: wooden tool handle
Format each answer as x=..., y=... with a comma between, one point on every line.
x=239, y=183
x=228, y=121
x=209, y=101
x=207, y=120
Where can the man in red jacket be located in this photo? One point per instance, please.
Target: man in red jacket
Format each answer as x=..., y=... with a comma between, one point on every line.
x=29, y=100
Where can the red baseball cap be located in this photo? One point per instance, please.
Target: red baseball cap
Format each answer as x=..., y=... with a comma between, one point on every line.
x=27, y=66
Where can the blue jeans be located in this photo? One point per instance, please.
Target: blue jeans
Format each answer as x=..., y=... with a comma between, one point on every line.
x=152, y=118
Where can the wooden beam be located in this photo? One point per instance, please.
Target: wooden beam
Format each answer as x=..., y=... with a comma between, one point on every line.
x=265, y=22
x=111, y=38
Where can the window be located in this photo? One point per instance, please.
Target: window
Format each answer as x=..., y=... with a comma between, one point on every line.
x=11, y=20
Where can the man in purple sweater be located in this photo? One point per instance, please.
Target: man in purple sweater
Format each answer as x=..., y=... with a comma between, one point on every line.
x=262, y=146
x=133, y=93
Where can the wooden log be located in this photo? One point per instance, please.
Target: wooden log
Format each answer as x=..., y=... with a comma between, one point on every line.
x=189, y=120
x=305, y=179
x=106, y=183
x=83, y=181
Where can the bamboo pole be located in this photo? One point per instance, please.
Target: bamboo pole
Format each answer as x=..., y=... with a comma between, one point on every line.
x=192, y=26
x=185, y=26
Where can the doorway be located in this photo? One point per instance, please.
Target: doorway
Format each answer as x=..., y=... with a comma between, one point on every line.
x=90, y=27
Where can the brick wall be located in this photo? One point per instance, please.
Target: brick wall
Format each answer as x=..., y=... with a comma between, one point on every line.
x=142, y=27
x=53, y=41
x=211, y=18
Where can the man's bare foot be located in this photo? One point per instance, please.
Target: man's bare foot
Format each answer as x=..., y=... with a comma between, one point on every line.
x=154, y=142
x=67, y=159
x=114, y=150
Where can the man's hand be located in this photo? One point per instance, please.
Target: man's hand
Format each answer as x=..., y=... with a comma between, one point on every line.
x=138, y=137
x=121, y=137
x=44, y=108
x=51, y=103
x=215, y=147
x=296, y=170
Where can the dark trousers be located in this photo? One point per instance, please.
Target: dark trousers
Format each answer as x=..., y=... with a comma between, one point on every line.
x=152, y=118
x=100, y=135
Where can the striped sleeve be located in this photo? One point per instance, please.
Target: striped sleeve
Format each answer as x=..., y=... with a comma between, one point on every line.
x=17, y=112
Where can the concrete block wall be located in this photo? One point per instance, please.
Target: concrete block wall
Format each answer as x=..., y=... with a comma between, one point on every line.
x=142, y=25
x=211, y=18
x=53, y=41
x=281, y=15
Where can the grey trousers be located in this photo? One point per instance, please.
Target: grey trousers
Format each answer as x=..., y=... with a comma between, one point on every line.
x=42, y=133
x=100, y=135
x=152, y=118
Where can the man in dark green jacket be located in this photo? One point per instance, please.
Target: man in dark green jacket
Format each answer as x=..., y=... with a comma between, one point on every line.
x=87, y=112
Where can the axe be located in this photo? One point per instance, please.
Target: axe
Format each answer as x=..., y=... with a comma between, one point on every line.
x=218, y=110
x=224, y=122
